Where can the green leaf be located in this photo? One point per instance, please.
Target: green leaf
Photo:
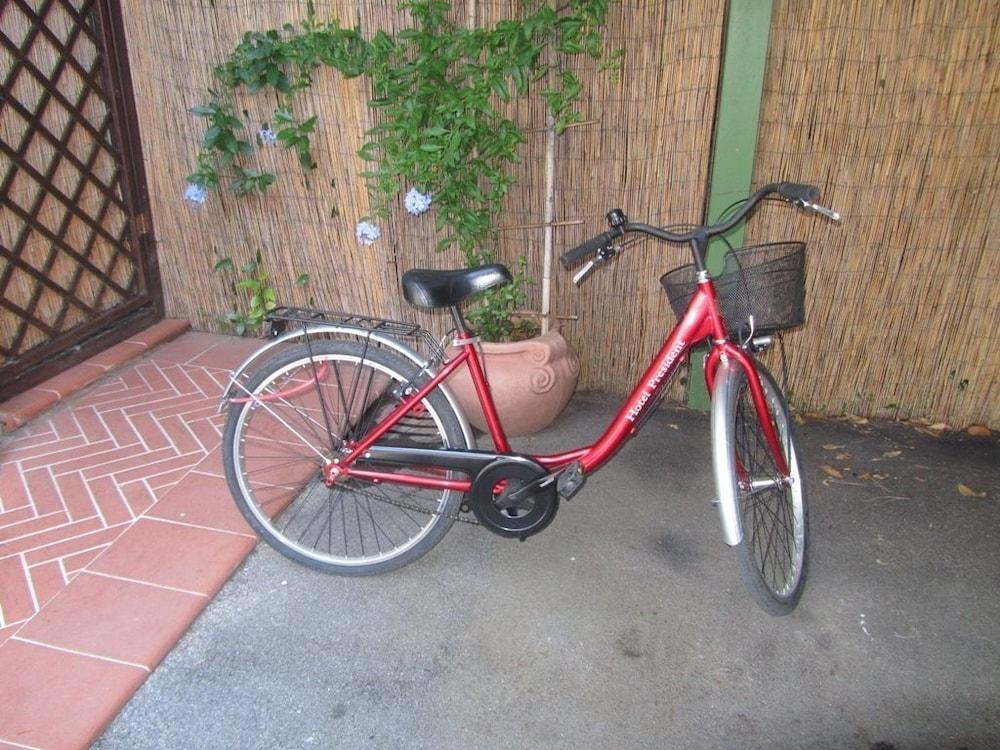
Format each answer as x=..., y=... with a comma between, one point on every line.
x=227, y=142
x=302, y=279
x=306, y=160
x=224, y=264
x=211, y=136
x=501, y=90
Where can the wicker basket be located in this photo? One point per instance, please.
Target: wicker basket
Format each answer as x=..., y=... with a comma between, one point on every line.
x=763, y=282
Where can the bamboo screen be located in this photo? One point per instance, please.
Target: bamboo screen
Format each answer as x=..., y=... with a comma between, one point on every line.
x=645, y=148
x=888, y=106
x=647, y=153
x=173, y=47
x=894, y=108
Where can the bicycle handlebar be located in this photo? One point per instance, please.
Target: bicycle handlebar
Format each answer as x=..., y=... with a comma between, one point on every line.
x=795, y=191
x=800, y=194
x=590, y=246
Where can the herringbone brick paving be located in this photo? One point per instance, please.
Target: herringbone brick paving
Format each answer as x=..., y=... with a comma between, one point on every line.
x=116, y=528
x=75, y=479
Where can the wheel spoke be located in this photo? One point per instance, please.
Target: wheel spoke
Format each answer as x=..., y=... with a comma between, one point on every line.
x=266, y=406
x=771, y=505
x=275, y=455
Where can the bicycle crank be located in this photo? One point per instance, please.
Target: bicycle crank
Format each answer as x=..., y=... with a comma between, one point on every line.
x=500, y=505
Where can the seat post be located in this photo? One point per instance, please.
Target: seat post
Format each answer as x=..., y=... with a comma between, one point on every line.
x=456, y=315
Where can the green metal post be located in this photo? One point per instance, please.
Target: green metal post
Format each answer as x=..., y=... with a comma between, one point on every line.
x=741, y=81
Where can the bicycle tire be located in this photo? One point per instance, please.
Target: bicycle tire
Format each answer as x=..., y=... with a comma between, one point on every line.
x=774, y=552
x=300, y=409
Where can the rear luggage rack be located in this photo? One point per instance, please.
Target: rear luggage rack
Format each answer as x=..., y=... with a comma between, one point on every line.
x=281, y=319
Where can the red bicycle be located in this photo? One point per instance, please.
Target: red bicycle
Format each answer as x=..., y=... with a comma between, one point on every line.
x=347, y=452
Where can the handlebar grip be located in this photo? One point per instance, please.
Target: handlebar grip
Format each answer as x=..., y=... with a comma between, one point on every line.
x=590, y=246
x=797, y=191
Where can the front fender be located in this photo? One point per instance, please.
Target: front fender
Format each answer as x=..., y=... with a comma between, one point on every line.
x=724, y=391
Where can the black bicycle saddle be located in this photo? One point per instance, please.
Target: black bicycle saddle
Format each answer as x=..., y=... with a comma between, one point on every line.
x=425, y=287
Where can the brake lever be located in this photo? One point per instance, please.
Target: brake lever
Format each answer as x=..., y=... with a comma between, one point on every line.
x=827, y=212
x=582, y=273
x=603, y=255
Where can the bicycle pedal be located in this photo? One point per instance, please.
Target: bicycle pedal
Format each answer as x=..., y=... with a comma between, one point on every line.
x=570, y=481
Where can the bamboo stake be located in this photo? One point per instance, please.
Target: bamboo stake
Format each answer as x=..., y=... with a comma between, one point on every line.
x=566, y=127
x=550, y=204
x=542, y=225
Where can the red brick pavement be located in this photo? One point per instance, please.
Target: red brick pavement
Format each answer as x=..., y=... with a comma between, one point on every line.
x=116, y=529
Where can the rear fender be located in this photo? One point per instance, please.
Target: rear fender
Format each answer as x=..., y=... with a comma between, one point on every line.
x=240, y=373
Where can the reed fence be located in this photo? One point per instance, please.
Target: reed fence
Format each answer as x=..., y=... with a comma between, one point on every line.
x=892, y=108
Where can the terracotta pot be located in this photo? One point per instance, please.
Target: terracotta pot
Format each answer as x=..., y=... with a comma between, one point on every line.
x=531, y=382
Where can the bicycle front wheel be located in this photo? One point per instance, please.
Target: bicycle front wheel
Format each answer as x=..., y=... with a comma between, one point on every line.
x=775, y=517
x=305, y=407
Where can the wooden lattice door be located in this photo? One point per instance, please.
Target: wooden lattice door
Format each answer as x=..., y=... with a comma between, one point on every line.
x=77, y=270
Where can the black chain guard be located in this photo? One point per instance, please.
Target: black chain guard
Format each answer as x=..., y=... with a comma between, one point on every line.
x=520, y=516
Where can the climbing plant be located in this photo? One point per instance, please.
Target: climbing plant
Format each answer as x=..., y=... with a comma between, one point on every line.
x=437, y=89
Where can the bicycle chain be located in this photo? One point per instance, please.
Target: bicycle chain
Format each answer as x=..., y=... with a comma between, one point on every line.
x=408, y=506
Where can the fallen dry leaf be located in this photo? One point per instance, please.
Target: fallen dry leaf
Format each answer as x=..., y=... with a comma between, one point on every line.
x=867, y=475
x=925, y=431
x=842, y=456
x=979, y=430
x=832, y=447
x=672, y=426
x=892, y=454
x=832, y=472
x=855, y=419
x=966, y=491
x=938, y=427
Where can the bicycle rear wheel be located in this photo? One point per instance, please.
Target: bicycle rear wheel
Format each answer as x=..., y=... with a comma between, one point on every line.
x=305, y=407
x=773, y=554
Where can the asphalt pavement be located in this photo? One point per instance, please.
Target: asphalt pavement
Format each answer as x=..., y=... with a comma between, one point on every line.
x=625, y=624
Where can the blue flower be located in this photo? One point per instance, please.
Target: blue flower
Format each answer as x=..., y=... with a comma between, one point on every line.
x=367, y=233
x=195, y=194
x=416, y=202
x=267, y=136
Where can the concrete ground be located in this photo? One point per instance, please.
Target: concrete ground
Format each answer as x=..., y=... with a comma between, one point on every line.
x=625, y=624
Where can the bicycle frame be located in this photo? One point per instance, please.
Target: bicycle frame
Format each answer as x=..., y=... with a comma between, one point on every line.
x=701, y=321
